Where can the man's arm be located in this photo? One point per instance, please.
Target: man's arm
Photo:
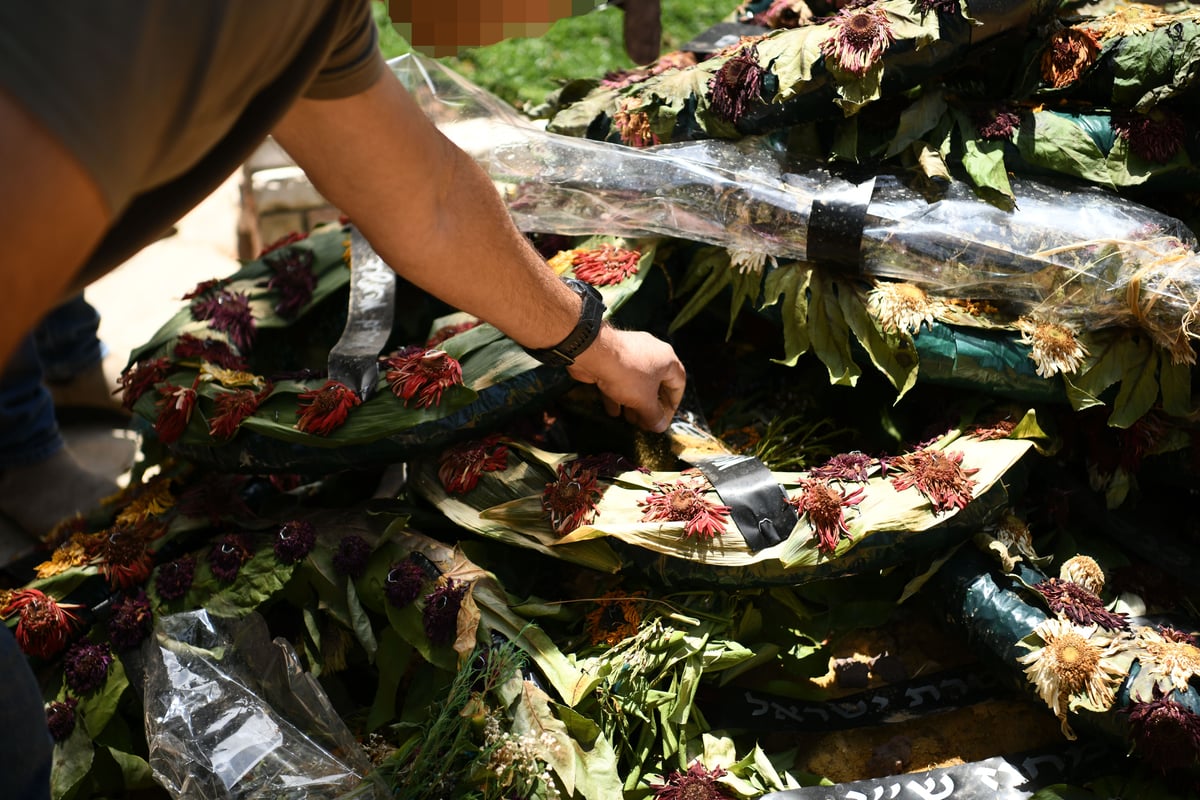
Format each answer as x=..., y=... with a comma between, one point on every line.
x=435, y=217
x=52, y=216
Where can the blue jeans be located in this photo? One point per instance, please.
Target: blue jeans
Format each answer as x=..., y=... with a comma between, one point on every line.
x=25, y=744
x=63, y=345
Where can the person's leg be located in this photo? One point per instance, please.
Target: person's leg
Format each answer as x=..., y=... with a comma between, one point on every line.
x=72, y=358
x=26, y=748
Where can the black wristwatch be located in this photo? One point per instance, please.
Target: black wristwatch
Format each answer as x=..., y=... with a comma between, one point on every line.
x=591, y=317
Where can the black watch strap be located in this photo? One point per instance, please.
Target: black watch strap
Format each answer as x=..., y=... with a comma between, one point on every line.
x=591, y=317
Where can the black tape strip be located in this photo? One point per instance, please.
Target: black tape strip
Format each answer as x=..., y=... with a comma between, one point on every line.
x=835, y=225
x=758, y=504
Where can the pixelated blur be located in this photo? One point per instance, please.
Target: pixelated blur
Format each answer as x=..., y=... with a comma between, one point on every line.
x=442, y=27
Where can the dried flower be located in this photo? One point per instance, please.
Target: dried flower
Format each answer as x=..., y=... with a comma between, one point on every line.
x=131, y=621
x=140, y=378
x=1074, y=666
x=174, y=578
x=420, y=376
x=230, y=378
x=60, y=718
x=324, y=410
x=783, y=14
x=149, y=499
x=852, y=466
x=404, y=583
x=860, y=36
x=234, y=408
x=1170, y=664
x=1001, y=429
x=933, y=6
x=616, y=617
x=352, y=555
x=939, y=476
x=44, y=624
x=1074, y=602
x=85, y=667
x=901, y=307
x=295, y=541
x=65, y=557
x=825, y=507
x=1053, y=346
x=292, y=277
x=205, y=288
x=1165, y=733
x=605, y=265
x=634, y=128
x=684, y=501
x=175, y=410
x=216, y=497
x=1084, y=571
x=230, y=313
x=570, y=499
x=460, y=467
x=212, y=351
x=737, y=84
x=677, y=59
x=124, y=555
x=698, y=783
x=1069, y=52
x=996, y=123
x=227, y=555
x=1157, y=136
x=449, y=332
x=440, y=616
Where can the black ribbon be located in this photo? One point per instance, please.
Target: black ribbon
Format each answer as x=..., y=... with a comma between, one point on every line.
x=835, y=225
x=757, y=503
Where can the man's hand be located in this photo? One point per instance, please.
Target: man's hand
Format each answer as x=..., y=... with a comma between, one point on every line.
x=636, y=373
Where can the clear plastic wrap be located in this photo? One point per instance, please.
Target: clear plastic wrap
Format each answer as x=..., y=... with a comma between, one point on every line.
x=1067, y=252
x=231, y=714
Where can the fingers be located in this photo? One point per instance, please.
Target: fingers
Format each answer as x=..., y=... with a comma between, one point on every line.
x=612, y=407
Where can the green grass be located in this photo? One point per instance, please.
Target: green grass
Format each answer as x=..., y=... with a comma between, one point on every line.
x=524, y=71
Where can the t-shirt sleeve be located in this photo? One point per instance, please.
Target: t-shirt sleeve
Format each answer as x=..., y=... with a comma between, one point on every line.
x=355, y=62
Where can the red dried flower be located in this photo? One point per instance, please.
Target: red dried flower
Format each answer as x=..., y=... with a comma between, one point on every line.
x=634, y=128
x=1000, y=430
x=1069, y=52
x=175, y=410
x=124, y=556
x=1157, y=136
x=324, y=410
x=861, y=35
x=44, y=624
x=295, y=541
x=995, y=124
x=202, y=288
x=1079, y=605
x=939, y=476
x=460, y=467
x=226, y=557
x=684, y=501
x=570, y=499
x=214, y=351
x=737, y=84
x=698, y=783
x=230, y=313
x=233, y=408
x=292, y=277
x=421, y=376
x=404, y=583
x=139, y=378
x=449, y=331
x=284, y=241
x=1165, y=733
x=440, y=615
x=825, y=507
x=852, y=466
x=605, y=265
x=131, y=621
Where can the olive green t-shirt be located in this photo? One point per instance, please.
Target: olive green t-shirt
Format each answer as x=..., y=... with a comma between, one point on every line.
x=161, y=100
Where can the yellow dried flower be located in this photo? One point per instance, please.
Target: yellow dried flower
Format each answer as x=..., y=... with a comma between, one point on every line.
x=231, y=378
x=1053, y=346
x=901, y=307
x=71, y=554
x=1084, y=571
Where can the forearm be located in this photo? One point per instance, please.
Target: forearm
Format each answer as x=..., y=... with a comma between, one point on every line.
x=428, y=210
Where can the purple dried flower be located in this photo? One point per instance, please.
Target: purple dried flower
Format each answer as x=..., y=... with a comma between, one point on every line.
x=60, y=718
x=227, y=556
x=292, y=277
x=1165, y=733
x=352, y=555
x=1156, y=136
x=737, y=84
x=131, y=621
x=852, y=466
x=229, y=312
x=175, y=577
x=1079, y=605
x=404, y=583
x=995, y=124
x=296, y=540
x=440, y=616
x=85, y=667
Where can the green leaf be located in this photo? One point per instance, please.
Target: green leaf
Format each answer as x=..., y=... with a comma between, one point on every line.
x=583, y=759
x=791, y=281
x=918, y=119
x=134, y=769
x=1175, y=382
x=1108, y=362
x=829, y=332
x=856, y=91
x=983, y=160
x=792, y=54
x=746, y=287
x=1057, y=143
x=1139, y=390
x=407, y=622
x=70, y=763
x=893, y=354
x=1154, y=66
x=845, y=141
x=362, y=623
x=710, y=269
x=257, y=582
x=97, y=708
x=391, y=660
